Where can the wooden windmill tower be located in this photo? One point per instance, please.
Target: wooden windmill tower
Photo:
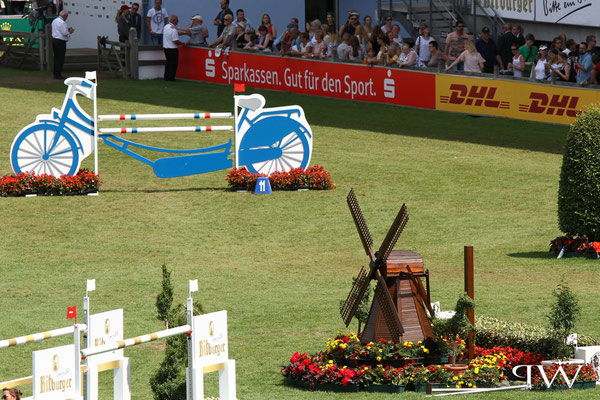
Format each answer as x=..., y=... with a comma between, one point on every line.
x=399, y=308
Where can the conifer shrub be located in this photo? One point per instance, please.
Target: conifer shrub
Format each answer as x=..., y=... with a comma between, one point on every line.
x=579, y=186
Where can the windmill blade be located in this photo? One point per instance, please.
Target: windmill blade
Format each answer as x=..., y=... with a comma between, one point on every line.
x=361, y=224
x=392, y=236
x=388, y=310
x=360, y=286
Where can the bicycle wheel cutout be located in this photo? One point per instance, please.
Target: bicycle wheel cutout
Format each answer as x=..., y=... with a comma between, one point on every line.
x=41, y=149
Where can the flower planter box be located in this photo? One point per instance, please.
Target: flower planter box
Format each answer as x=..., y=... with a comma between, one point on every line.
x=328, y=387
x=385, y=388
x=422, y=387
x=394, y=363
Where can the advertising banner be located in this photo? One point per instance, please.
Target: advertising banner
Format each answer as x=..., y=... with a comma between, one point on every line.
x=104, y=328
x=572, y=12
x=320, y=78
x=54, y=373
x=518, y=100
x=210, y=337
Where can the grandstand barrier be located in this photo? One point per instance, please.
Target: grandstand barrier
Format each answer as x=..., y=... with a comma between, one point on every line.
x=477, y=95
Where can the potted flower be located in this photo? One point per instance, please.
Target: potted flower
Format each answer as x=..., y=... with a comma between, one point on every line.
x=456, y=327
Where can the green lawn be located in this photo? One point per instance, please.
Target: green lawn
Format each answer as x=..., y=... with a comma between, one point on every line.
x=279, y=264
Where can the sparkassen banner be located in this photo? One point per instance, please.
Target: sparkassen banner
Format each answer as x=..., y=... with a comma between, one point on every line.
x=518, y=100
x=319, y=78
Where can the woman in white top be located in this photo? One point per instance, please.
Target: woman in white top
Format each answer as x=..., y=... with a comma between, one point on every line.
x=422, y=44
x=517, y=66
x=471, y=59
x=553, y=63
x=540, y=65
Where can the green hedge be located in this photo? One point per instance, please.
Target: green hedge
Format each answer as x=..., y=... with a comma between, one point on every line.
x=579, y=185
x=490, y=332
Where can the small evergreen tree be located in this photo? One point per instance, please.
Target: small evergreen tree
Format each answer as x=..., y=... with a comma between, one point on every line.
x=579, y=185
x=564, y=312
x=168, y=383
x=164, y=300
x=457, y=326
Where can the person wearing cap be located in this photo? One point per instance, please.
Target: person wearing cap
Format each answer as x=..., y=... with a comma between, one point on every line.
x=540, y=65
x=122, y=21
x=488, y=50
x=351, y=25
x=529, y=53
x=198, y=32
x=155, y=21
x=171, y=45
x=135, y=19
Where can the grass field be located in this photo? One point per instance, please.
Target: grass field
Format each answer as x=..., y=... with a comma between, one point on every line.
x=279, y=264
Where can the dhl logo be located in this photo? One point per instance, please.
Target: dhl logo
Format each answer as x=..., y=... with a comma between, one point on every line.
x=475, y=96
x=556, y=105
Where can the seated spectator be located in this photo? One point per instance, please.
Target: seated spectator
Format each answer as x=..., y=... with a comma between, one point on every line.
x=564, y=72
x=252, y=43
x=11, y=393
x=241, y=17
x=472, y=60
x=367, y=25
x=356, y=53
x=596, y=74
x=529, y=53
x=343, y=49
x=408, y=57
x=266, y=21
x=382, y=45
x=396, y=31
x=198, y=32
x=289, y=41
x=351, y=25
x=319, y=47
x=331, y=39
x=553, y=63
x=314, y=26
x=265, y=41
x=241, y=37
x=517, y=64
x=436, y=55
x=540, y=65
x=391, y=57
x=371, y=57
x=304, y=49
x=363, y=36
x=422, y=44
x=374, y=35
x=387, y=24
x=228, y=34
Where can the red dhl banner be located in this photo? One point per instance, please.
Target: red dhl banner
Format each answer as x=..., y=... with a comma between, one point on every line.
x=319, y=78
x=512, y=99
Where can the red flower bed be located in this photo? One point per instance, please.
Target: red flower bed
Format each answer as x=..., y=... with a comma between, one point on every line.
x=514, y=357
x=315, y=178
x=29, y=183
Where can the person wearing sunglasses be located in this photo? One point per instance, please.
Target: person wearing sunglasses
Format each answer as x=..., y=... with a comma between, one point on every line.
x=387, y=24
x=135, y=19
x=517, y=66
x=351, y=25
x=11, y=394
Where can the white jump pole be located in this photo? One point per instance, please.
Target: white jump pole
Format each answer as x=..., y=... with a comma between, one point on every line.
x=134, y=341
x=93, y=77
x=167, y=129
x=36, y=337
x=474, y=390
x=139, y=117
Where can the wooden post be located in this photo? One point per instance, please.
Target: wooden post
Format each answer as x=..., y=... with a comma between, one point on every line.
x=49, y=49
x=470, y=289
x=133, y=54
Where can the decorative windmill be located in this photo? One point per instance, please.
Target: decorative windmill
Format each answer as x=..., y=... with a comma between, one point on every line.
x=399, y=309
